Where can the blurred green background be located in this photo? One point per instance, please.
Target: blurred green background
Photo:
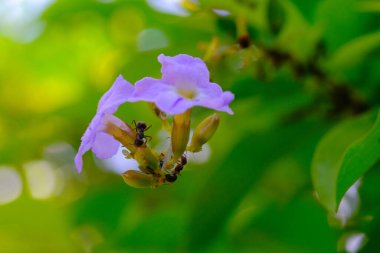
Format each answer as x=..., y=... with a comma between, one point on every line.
x=306, y=75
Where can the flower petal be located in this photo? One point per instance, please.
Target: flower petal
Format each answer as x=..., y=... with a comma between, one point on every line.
x=183, y=69
x=219, y=103
x=78, y=157
x=211, y=90
x=184, y=84
x=88, y=139
x=118, y=94
x=147, y=89
x=105, y=146
x=172, y=103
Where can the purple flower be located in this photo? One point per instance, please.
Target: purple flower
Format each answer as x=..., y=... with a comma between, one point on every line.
x=184, y=84
x=96, y=138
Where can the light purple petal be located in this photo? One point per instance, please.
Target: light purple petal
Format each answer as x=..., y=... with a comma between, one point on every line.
x=228, y=97
x=171, y=103
x=184, y=84
x=87, y=140
x=100, y=142
x=211, y=90
x=78, y=157
x=183, y=69
x=147, y=89
x=219, y=103
x=119, y=93
x=105, y=146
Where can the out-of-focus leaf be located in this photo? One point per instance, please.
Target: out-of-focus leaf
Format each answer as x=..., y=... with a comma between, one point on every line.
x=158, y=232
x=302, y=35
x=229, y=183
x=225, y=188
x=343, y=155
x=296, y=217
x=109, y=206
x=274, y=99
x=29, y=225
x=370, y=6
x=373, y=243
x=279, y=87
x=283, y=184
x=341, y=21
x=307, y=8
x=370, y=198
x=276, y=16
x=354, y=52
x=253, y=11
x=370, y=190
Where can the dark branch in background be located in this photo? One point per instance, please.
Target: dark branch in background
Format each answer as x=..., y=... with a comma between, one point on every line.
x=341, y=96
x=333, y=99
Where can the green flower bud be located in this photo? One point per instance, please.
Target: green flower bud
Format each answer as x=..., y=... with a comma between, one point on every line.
x=180, y=133
x=124, y=134
x=138, y=179
x=203, y=133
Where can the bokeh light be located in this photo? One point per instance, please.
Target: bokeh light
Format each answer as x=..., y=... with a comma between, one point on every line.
x=10, y=185
x=41, y=178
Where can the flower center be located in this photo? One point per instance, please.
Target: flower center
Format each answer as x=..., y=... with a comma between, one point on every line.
x=190, y=94
x=186, y=90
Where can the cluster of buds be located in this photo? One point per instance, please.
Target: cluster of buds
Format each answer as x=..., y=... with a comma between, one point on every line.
x=164, y=167
x=184, y=84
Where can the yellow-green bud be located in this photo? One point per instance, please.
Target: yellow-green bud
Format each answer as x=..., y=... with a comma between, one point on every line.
x=203, y=133
x=147, y=160
x=138, y=179
x=180, y=133
x=122, y=132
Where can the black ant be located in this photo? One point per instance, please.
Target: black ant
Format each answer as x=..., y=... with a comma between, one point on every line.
x=140, y=128
x=183, y=160
x=177, y=170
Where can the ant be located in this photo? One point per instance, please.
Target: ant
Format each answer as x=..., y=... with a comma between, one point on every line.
x=140, y=128
x=177, y=170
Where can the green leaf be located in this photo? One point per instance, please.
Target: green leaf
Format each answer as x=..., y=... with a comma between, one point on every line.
x=296, y=29
x=39, y=225
x=344, y=154
x=151, y=233
x=369, y=6
x=307, y=8
x=358, y=158
x=109, y=206
x=354, y=52
x=341, y=21
x=276, y=16
x=282, y=228
x=229, y=184
x=254, y=12
x=370, y=198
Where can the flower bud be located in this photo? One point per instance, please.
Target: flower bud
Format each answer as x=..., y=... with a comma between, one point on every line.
x=121, y=131
x=147, y=160
x=180, y=133
x=203, y=133
x=138, y=179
